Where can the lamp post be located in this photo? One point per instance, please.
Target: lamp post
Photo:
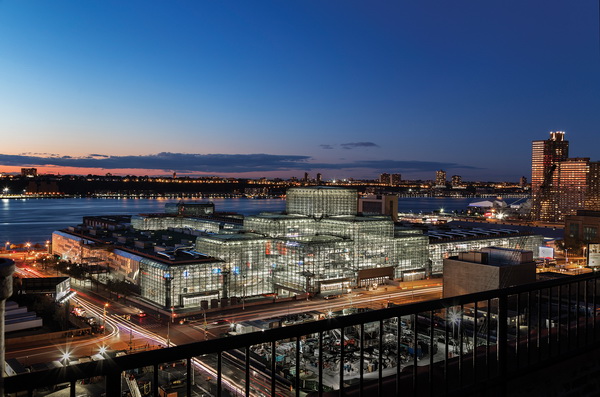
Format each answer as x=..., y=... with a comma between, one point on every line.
x=104, y=318
x=168, y=334
x=454, y=317
x=244, y=298
x=205, y=326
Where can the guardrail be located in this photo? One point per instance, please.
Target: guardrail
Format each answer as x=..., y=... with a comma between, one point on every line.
x=460, y=345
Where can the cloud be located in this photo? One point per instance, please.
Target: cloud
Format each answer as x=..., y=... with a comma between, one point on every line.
x=220, y=163
x=354, y=145
x=181, y=162
x=328, y=147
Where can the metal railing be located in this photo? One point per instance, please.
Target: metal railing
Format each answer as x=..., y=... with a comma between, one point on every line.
x=461, y=345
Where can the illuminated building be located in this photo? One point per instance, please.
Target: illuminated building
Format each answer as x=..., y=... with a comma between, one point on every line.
x=189, y=209
x=319, y=201
x=446, y=243
x=523, y=182
x=561, y=185
x=29, y=172
x=320, y=246
x=440, y=178
x=581, y=230
x=385, y=179
x=544, y=159
x=386, y=204
x=162, y=264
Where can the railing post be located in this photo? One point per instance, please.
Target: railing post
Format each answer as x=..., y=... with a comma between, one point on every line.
x=155, y=380
x=247, y=366
x=189, y=376
x=502, y=343
x=113, y=384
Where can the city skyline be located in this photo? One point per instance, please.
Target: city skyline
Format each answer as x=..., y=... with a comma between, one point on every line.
x=272, y=89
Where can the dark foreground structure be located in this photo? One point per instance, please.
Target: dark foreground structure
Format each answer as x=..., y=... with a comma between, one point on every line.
x=538, y=339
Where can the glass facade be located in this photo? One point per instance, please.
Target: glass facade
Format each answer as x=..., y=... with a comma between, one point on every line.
x=244, y=262
x=305, y=263
x=282, y=225
x=412, y=253
x=320, y=201
x=141, y=222
x=439, y=250
x=185, y=285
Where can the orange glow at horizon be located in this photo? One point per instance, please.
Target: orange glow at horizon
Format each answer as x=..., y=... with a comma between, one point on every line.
x=85, y=171
x=56, y=170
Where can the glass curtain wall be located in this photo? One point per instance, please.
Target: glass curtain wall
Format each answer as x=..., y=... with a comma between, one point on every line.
x=301, y=264
x=445, y=249
x=244, y=262
x=164, y=222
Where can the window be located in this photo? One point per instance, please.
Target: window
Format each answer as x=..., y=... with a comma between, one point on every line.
x=574, y=230
x=590, y=233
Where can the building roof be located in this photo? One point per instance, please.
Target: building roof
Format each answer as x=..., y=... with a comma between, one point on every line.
x=167, y=247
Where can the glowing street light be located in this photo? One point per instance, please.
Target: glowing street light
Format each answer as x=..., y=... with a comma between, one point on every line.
x=454, y=316
x=65, y=358
x=104, y=318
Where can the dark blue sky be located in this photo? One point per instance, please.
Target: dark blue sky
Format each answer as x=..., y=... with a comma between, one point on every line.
x=265, y=88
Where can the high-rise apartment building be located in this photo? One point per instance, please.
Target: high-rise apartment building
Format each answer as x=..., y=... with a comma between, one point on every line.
x=456, y=180
x=440, y=178
x=396, y=179
x=384, y=179
x=29, y=172
x=560, y=185
x=523, y=182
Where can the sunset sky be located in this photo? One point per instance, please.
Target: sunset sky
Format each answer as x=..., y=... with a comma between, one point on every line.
x=277, y=88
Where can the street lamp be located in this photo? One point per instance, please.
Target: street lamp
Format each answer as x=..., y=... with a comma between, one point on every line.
x=104, y=318
x=454, y=317
x=205, y=325
x=65, y=359
x=244, y=298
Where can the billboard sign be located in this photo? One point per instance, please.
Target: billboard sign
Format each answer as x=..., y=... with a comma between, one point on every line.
x=546, y=252
x=593, y=255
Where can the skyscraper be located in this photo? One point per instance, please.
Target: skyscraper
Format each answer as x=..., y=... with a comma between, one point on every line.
x=560, y=185
x=544, y=159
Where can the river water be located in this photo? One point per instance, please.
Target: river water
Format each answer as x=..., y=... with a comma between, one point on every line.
x=34, y=220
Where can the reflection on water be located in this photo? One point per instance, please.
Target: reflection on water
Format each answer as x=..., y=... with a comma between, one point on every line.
x=34, y=220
